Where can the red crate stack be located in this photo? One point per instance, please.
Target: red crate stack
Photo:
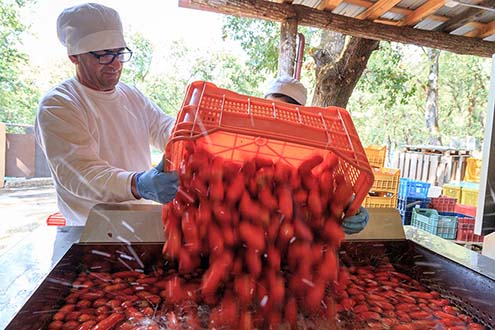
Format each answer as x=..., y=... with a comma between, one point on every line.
x=465, y=230
x=444, y=203
x=465, y=209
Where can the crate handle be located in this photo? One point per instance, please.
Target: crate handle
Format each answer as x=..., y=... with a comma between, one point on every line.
x=329, y=139
x=251, y=118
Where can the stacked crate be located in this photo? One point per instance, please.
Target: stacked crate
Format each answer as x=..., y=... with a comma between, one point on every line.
x=412, y=194
x=440, y=224
x=385, y=189
x=467, y=194
x=376, y=155
x=444, y=203
x=473, y=169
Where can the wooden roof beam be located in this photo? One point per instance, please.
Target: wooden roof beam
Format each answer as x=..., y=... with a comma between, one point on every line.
x=487, y=30
x=378, y=9
x=429, y=7
x=329, y=4
x=262, y=9
x=395, y=10
x=470, y=14
x=476, y=29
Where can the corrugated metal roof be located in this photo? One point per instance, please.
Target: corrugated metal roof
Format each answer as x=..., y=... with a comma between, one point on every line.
x=349, y=10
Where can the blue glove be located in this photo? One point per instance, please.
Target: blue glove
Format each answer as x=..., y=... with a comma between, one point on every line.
x=356, y=223
x=157, y=185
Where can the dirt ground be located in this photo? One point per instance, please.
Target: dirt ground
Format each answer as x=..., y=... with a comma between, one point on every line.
x=22, y=210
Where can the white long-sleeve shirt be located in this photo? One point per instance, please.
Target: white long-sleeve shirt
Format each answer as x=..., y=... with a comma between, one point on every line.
x=95, y=141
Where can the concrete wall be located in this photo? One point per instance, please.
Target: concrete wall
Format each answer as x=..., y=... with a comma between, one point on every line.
x=2, y=154
x=20, y=161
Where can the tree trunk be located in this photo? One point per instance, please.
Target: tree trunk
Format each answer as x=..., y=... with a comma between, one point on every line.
x=339, y=66
x=287, y=48
x=431, y=114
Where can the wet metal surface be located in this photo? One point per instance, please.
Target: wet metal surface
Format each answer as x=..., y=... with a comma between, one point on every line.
x=26, y=265
x=450, y=250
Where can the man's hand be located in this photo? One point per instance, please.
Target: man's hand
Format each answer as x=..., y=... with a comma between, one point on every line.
x=356, y=223
x=157, y=185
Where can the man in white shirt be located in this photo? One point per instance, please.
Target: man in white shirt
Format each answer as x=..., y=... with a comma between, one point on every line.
x=95, y=130
x=290, y=90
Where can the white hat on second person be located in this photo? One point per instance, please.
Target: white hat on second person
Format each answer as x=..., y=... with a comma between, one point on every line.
x=288, y=86
x=90, y=27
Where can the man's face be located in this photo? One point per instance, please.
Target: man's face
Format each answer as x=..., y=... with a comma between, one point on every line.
x=92, y=74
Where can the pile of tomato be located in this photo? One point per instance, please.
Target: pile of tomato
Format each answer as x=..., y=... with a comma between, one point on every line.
x=269, y=232
x=254, y=245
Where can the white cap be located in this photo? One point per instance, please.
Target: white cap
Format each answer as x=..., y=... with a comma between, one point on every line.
x=290, y=87
x=90, y=27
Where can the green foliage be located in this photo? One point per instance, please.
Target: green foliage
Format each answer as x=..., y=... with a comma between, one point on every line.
x=18, y=97
x=166, y=84
x=385, y=97
x=388, y=104
x=138, y=68
x=464, y=94
x=258, y=38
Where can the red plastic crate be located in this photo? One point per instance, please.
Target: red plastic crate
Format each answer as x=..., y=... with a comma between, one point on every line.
x=55, y=219
x=239, y=127
x=465, y=209
x=465, y=230
x=444, y=203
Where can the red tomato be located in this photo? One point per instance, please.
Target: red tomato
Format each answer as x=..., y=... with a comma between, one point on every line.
x=285, y=202
x=267, y=199
x=308, y=164
x=253, y=262
x=244, y=287
x=282, y=172
x=302, y=230
x=253, y=235
x=290, y=311
x=236, y=189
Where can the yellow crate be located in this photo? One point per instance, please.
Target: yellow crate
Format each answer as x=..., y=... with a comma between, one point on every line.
x=386, y=180
x=380, y=202
x=469, y=196
x=452, y=191
x=376, y=155
x=473, y=169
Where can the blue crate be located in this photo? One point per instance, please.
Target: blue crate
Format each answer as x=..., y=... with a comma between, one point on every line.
x=429, y=220
x=407, y=204
x=455, y=214
x=409, y=188
x=406, y=217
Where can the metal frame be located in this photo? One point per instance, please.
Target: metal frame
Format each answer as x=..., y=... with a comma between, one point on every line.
x=485, y=213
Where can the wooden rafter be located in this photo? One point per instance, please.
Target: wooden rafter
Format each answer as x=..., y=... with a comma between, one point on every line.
x=329, y=4
x=424, y=10
x=378, y=9
x=395, y=10
x=387, y=22
x=262, y=9
x=471, y=14
x=487, y=30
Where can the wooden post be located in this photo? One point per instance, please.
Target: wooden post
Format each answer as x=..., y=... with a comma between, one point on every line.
x=287, y=48
x=433, y=176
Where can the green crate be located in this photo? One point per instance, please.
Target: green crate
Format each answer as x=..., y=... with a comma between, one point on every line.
x=429, y=220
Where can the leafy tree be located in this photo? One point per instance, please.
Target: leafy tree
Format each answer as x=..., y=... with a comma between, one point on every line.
x=169, y=73
x=262, y=57
x=138, y=68
x=383, y=103
x=464, y=82
x=18, y=97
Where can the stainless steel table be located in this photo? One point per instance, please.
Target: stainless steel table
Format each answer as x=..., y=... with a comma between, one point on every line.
x=27, y=264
